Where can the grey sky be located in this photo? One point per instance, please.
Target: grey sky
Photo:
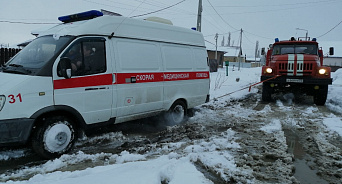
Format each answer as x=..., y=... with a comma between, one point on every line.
x=261, y=20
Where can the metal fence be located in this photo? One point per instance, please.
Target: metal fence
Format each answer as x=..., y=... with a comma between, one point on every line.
x=6, y=54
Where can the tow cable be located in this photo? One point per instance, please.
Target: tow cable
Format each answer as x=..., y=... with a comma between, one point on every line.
x=250, y=87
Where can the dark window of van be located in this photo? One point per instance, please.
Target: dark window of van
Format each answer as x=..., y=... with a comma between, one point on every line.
x=87, y=56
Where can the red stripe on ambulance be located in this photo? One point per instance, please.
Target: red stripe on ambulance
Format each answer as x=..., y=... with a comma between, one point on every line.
x=86, y=81
x=127, y=78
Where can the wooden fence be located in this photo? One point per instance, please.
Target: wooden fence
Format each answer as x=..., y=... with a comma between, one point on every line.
x=6, y=54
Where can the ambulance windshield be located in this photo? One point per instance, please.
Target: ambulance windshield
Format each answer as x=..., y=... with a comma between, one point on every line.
x=35, y=55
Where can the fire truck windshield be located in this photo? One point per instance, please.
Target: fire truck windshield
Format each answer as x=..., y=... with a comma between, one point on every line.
x=295, y=49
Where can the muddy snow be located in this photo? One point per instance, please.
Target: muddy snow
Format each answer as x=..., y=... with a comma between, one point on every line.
x=235, y=138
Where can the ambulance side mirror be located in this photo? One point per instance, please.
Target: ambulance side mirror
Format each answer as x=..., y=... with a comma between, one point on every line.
x=65, y=67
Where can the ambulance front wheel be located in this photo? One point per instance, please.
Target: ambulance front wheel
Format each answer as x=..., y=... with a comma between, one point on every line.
x=177, y=113
x=54, y=137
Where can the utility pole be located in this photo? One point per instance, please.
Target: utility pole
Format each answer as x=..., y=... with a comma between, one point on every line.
x=216, y=36
x=199, y=16
x=229, y=37
x=240, y=53
x=256, y=50
x=306, y=35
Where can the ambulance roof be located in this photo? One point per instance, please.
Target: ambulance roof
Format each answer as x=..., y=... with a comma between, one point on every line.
x=129, y=28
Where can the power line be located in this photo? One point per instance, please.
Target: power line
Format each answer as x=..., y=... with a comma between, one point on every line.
x=288, y=4
x=142, y=2
x=330, y=30
x=221, y=16
x=161, y=5
x=15, y=22
x=280, y=9
x=129, y=15
x=102, y=4
x=248, y=39
x=223, y=33
x=258, y=35
x=158, y=10
x=209, y=42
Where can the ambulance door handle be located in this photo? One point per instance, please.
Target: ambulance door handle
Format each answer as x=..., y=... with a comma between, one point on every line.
x=91, y=89
x=133, y=79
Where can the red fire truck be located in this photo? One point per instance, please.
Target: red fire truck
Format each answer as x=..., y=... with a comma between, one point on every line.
x=297, y=66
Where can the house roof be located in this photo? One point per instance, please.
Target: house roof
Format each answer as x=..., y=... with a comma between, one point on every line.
x=229, y=51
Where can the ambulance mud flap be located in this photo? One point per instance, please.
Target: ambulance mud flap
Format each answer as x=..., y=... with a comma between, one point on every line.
x=15, y=131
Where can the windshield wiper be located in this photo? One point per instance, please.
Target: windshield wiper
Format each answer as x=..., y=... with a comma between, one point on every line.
x=15, y=65
x=15, y=68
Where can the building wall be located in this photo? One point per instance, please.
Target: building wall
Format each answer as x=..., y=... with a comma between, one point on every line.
x=332, y=61
x=6, y=54
x=220, y=56
x=244, y=64
x=234, y=59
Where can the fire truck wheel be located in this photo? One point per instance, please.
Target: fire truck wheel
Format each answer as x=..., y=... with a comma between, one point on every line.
x=320, y=96
x=176, y=113
x=266, y=92
x=54, y=137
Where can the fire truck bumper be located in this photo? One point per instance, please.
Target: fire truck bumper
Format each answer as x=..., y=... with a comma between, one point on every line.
x=15, y=131
x=297, y=80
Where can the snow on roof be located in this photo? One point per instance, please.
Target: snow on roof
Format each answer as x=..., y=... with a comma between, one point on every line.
x=229, y=51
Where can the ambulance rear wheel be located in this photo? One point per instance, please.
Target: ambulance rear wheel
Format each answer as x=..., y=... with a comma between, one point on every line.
x=176, y=113
x=320, y=96
x=54, y=137
x=266, y=92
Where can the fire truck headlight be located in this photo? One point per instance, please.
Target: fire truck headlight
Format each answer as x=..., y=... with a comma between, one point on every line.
x=322, y=71
x=2, y=101
x=269, y=70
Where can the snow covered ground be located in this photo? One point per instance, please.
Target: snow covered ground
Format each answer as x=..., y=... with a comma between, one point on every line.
x=176, y=162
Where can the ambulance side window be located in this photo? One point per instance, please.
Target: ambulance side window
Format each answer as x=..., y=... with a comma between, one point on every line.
x=87, y=57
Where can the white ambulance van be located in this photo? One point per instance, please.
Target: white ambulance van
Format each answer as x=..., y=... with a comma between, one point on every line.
x=95, y=70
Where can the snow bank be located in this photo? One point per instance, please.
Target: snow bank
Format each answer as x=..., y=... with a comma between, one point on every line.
x=236, y=84
x=153, y=172
x=135, y=168
x=334, y=101
x=334, y=124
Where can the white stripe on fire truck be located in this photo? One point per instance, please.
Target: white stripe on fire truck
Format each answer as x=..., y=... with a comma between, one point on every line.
x=300, y=64
x=290, y=64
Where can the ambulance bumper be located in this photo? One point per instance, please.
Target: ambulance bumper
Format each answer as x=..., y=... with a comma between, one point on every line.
x=15, y=131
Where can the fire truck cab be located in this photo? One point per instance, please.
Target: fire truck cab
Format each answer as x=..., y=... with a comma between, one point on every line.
x=297, y=66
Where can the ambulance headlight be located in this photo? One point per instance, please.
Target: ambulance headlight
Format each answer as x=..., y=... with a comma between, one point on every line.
x=2, y=101
x=268, y=70
x=322, y=71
